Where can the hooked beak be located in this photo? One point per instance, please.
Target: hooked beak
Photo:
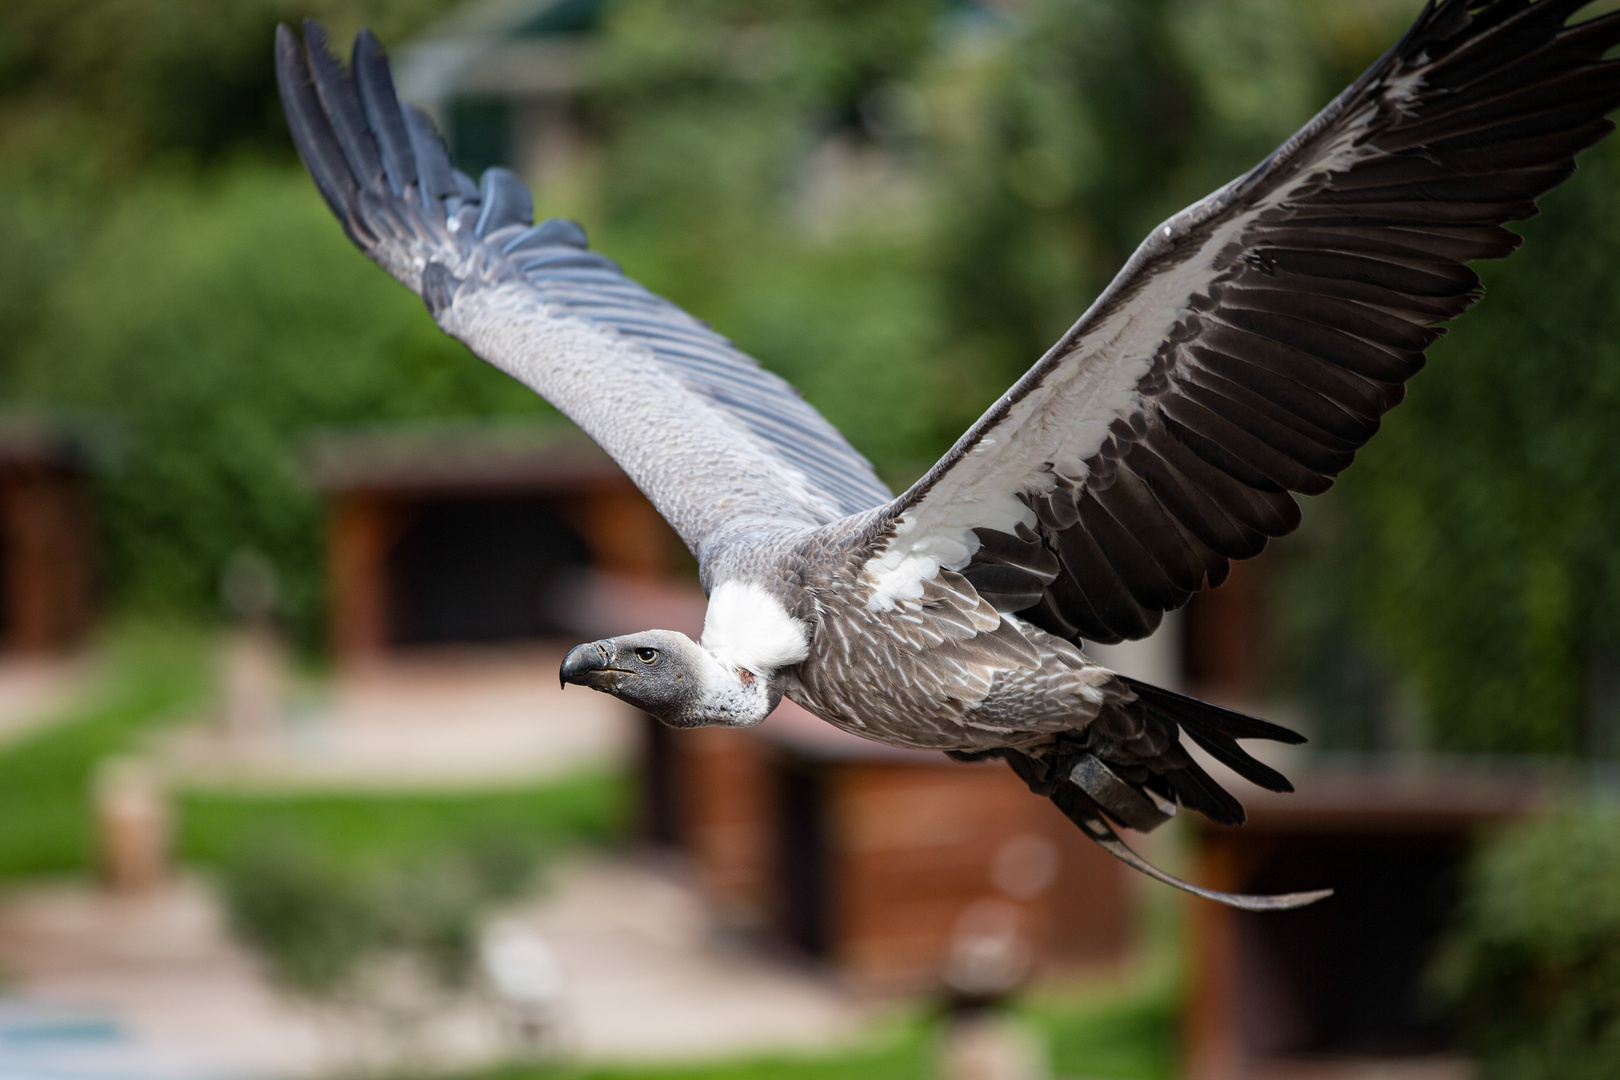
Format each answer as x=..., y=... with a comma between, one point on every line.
x=584, y=663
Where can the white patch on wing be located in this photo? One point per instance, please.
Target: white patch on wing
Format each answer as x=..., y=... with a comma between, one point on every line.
x=746, y=627
x=923, y=543
x=1065, y=420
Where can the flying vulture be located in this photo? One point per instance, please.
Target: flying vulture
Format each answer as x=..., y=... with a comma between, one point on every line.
x=1242, y=356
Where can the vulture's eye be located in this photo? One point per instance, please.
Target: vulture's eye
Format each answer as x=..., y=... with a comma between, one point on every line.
x=646, y=656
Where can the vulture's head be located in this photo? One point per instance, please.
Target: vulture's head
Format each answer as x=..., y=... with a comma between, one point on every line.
x=672, y=678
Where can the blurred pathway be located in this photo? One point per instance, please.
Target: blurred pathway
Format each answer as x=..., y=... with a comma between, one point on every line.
x=450, y=718
x=645, y=976
x=151, y=988
x=172, y=996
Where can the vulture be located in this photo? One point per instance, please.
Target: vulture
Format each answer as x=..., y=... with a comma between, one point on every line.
x=1241, y=357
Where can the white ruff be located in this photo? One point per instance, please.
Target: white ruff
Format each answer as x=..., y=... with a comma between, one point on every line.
x=747, y=627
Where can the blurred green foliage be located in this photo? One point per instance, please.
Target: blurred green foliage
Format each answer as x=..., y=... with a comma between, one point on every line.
x=148, y=674
x=149, y=79
x=1129, y=1035
x=899, y=205
x=323, y=883
x=1532, y=965
x=318, y=919
x=219, y=319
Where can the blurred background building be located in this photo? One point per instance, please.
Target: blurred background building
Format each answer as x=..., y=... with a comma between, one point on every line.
x=897, y=205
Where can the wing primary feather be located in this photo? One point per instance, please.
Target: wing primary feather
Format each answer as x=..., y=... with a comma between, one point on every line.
x=312, y=132
x=1106, y=592
x=377, y=97
x=1194, y=509
x=1150, y=586
x=341, y=103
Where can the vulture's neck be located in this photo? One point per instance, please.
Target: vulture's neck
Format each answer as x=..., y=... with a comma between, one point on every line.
x=750, y=637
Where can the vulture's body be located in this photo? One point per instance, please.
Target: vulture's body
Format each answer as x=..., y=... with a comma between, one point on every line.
x=1245, y=352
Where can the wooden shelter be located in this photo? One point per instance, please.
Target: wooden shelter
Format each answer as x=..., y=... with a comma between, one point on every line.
x=47, y=563
x=442, y=533
x=891, y=865
x=1338, y=981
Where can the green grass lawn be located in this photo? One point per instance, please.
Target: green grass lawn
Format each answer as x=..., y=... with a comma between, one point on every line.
x=903, y=1056
x=1118, y=1032
x=146, y=675
x=1128, y=1033
x=403, y=829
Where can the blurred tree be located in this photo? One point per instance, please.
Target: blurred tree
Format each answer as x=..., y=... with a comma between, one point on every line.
x=149, y=78
x=220, y=320
x=1531, y=963
x=92, y=91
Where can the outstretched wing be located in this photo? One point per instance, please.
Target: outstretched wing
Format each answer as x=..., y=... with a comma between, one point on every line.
x=1252, y=343
x=714, y=440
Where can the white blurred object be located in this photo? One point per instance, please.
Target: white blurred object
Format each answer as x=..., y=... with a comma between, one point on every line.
x=250, y=586
x=132, y=825
x=1024, y=866
x=529, y=985
x=254, y=664
x=990, y=1045
x=989, y=953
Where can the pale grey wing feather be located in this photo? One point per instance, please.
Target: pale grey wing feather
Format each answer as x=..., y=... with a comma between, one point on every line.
x=1254, y=341
x=733, y=442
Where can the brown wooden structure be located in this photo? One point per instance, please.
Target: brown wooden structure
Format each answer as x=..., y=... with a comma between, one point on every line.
x=882, y=862
x=457, y=533
x=1222, y=641
x=1339, y=980
x=47, y=564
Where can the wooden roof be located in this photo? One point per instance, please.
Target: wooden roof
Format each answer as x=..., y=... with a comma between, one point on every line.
x=452, y=458
x=39, y=440
x=1389, y=794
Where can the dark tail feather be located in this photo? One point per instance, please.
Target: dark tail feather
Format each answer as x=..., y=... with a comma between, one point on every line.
x=1197, y=790
x=1060, y=778
x=1083, y=813
x=1211, y=717
x=1217, y=731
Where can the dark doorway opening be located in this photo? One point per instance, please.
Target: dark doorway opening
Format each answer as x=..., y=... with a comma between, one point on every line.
x=479, y=570
x=6, y=573
x=803, y=872
x=1345, y=976
x=661, y=821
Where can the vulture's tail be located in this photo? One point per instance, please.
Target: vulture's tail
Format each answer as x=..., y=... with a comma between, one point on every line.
x=1129, y=765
